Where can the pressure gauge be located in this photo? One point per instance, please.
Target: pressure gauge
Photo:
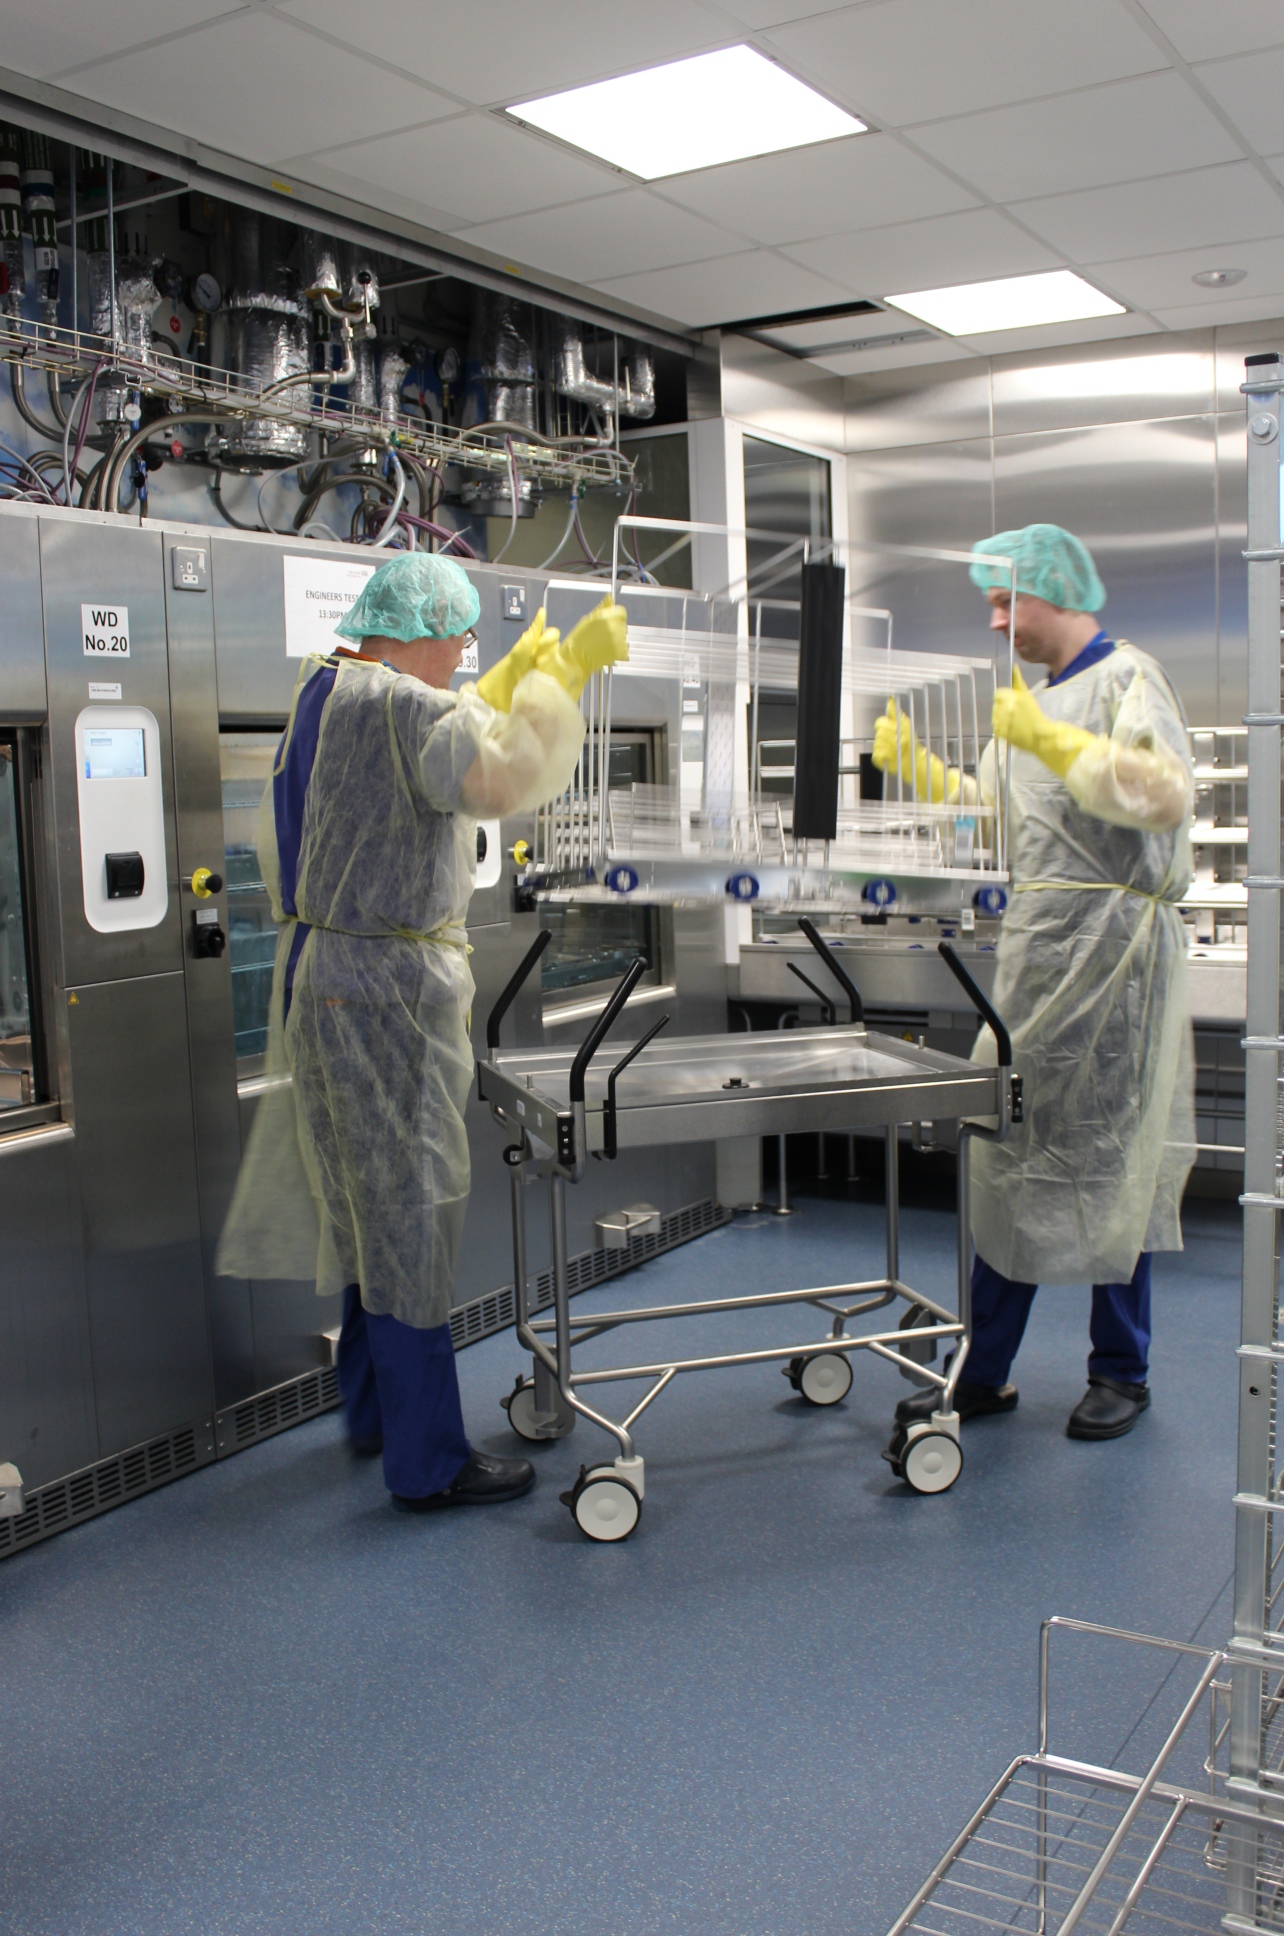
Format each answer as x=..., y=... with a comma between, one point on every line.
x=206, y=293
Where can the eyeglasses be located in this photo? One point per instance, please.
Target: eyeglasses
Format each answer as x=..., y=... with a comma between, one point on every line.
x=469, y=639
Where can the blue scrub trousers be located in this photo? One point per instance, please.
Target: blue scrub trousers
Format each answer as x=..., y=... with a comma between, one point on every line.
x=1120, y=1327
x=400, y=1384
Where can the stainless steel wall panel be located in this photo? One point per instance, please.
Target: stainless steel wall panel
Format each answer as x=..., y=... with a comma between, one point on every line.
x=939, y=495
x=47, y=1420
x=1142, y=498
x=943, y=403
x=212, y=1053
x=255, y=678
x=22, y=635
x=84, y=564
x=1101, y=383
x=136, y=1163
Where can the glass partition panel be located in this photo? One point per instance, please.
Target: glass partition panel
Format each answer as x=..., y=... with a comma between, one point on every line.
x=17, y=1078
x=245, y=762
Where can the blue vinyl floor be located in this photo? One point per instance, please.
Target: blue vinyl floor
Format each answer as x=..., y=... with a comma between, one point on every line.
x=259, y=1701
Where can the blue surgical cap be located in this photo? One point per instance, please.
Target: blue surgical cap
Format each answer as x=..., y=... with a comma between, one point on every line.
x=416, y=595
x=1051, y=564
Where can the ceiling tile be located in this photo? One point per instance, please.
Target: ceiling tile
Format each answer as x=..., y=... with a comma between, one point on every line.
x=805, y=192
x=1250, y=90
x=58, y=34
x=1248, y=310
x=1201, y=208
x=755, y=283
x=391, y=198
x=970, y=247
x=1200, y=31
x=493, y=52
x=838, y=331
x=920, y=60
x=896, y=356
x=1132, y=128
x=760, y=14
x=613, y=236
x=998, y=342
x=253, y=85
x=477, y=164
x=1164, y=281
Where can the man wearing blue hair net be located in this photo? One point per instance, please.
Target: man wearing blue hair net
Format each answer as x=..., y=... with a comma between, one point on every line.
x=1090, y=979
x=356, y=1173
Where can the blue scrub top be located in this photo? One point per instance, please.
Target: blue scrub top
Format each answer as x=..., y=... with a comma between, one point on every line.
x=1093, y=653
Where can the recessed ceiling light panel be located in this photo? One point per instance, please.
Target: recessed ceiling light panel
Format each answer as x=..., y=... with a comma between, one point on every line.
x=690, y=114
x=1014, y=302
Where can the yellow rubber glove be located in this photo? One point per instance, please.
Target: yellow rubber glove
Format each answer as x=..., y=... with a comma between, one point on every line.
x=926, y=773
x=498, y=685
x=1019, y=719
x=598, y=640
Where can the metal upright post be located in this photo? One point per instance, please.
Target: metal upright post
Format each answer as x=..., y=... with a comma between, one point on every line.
x=1262, y=1202
x=892, y=1203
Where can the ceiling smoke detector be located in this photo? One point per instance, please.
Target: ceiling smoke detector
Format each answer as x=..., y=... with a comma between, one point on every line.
x=1219, y=278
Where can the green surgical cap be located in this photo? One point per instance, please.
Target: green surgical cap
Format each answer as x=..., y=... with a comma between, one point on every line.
x=416, y=595
x=1051, y=564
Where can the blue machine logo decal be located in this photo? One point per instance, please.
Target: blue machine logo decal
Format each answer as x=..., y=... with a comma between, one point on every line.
x=990, y=900
x=880, y=894
x=743, y=887
x=621, y=880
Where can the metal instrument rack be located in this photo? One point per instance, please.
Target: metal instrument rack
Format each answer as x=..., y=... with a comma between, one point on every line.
x=730, y=836
x=696, y=1088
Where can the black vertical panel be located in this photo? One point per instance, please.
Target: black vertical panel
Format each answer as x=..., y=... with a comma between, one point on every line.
x=820, y=687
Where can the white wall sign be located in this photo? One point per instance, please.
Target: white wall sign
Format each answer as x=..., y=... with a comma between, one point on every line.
x=318, y=593
x=105, y=631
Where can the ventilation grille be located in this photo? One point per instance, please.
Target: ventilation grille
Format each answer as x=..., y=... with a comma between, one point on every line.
x=275, y=1411
x=482, y=1316
x=52, y=1508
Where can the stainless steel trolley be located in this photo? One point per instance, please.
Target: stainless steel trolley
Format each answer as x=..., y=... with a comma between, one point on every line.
x=563, y=1112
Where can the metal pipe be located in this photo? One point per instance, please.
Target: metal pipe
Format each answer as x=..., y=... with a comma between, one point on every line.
x=892, y=1201
x=783, y=1207
x=18, y=384
x=117, y=460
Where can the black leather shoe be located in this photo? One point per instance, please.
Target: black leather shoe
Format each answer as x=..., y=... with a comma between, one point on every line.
x=484, y=1481
x=970, y=1401
x=365, y=1448
x=1107, y=1409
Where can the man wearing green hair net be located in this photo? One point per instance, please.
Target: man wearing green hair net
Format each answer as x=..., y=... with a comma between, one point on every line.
x=356, y=1174
x=1090, y=980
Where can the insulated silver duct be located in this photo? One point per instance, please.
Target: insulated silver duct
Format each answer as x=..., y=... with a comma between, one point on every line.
x=269, y=332
x=501, y=362
x=13, y=274
x=363, y=391
x=393, y=369
x=267, y=346
x=100, y=318
x=136, y=297
x=573, y=378
x=320, y=265
x=38, y=209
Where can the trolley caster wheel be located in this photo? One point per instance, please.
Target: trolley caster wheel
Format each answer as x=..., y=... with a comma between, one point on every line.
x=529, y=1423
x=602, y=1504
x=825, y=1379
x=930, y=1461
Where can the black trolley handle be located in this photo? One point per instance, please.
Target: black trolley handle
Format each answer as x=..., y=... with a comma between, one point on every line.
x=826, y=1005
x=839, y=973
x=610, y=1143
x=981, y=1003
x=506, y=1000
x=593, y=1040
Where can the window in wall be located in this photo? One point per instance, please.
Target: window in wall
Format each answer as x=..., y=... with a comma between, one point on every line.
x=245, y=763
x=19, y=1059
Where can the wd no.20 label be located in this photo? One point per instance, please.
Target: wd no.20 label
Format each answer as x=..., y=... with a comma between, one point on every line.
x=104, y=630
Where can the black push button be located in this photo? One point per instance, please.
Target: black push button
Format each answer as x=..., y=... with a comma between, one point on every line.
x=125, y=877
x=481, y=845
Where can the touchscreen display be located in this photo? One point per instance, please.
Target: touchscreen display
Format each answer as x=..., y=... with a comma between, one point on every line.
x=115, y=753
